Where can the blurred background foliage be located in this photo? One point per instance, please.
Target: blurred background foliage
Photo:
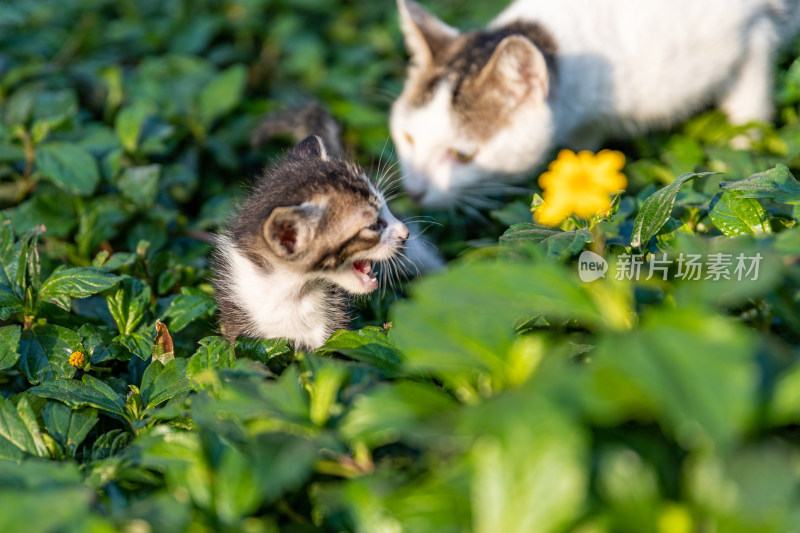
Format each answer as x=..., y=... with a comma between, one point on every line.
x=505, y=395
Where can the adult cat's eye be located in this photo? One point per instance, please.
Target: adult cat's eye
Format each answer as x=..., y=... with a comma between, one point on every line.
x=409, y=139
x=462, y=157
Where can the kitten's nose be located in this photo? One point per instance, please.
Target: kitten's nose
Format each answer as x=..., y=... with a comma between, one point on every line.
x=401, y=232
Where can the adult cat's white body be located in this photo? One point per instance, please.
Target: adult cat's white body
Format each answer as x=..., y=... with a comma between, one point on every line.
x=629, y=63
x=619, y=66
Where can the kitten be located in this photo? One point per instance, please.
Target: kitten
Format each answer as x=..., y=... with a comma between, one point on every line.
x=306, y=236
x=485, y=107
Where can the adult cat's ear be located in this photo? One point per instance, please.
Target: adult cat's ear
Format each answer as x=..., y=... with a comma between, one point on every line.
x=425, y=35
x=311, y=147
x=289, y=230
x=516, y=70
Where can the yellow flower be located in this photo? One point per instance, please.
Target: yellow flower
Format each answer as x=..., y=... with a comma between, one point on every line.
x=580, y=184
x=77, y=359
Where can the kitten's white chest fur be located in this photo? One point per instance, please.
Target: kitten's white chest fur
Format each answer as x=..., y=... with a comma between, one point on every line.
x=279, y=303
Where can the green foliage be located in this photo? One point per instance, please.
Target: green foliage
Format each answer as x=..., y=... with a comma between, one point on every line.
x=655, y=211
x=502, y=394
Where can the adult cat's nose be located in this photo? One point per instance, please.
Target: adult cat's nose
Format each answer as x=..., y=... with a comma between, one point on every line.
x=415, y=185
x=416, y=196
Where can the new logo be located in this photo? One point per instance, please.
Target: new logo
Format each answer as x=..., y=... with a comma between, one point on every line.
x=591, y=266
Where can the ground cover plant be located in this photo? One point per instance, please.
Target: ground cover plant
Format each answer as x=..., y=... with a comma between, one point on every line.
x=503, y=394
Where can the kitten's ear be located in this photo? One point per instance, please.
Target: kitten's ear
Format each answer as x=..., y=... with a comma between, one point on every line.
x=289, y=230
x=425, y=35
x=311, y=147
x=517, y=69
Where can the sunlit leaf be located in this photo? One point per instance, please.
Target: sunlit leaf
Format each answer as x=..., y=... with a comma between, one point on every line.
x=656, y=210
x=735, y=214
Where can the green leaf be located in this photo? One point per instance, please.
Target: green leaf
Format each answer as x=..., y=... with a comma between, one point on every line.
x=789, y=88
x=139, y=343
x=555, y=243
x=389, y=413
x=656, y=210
x=162, y=382
x=80, y=282
x=630, y=486
x=261, y=349
x=69, y=166
x=735, y=214
x=99, y=345
x=11, y=152
x=784, y=407
x=44, y=353
x=753, y=271
x=140, y=185
x=8, y=259
x=745, y=491
x=49, y=209
x=222, y=94
x=18, y=426
x=777, y=183
x=17, y=108
x=19, y=262
x=69, y=426
x=9, y=303
x=109, y=444
x=129, y=124
x=668, y=232
x=214, y=353
x=650, y=374
x=527, y=232
x=99, y=221
x=188, y=307
x=128, y=304
x=42, y=496
x=461, y=322
x=9, y=342
x=529, y=472
x=89, y=391
x=116, y=261
x=55, y=106
x=369, y=345
x=51, y=110
x=10, y=452
x=325, y=389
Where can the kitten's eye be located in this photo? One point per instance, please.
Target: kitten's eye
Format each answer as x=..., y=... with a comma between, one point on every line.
x=462, y=157
x=409, y=139
x=378, y=225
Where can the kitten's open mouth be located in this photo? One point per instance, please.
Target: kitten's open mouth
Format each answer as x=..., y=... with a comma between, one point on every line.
x=362, y=268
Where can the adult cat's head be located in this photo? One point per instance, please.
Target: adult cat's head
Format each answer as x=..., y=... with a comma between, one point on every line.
x=474, y=109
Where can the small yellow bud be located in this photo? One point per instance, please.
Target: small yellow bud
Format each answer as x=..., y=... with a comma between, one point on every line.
x=77, y=359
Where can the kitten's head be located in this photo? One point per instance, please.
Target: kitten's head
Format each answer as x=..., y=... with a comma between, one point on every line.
x=319, y=216
x=474, y=106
